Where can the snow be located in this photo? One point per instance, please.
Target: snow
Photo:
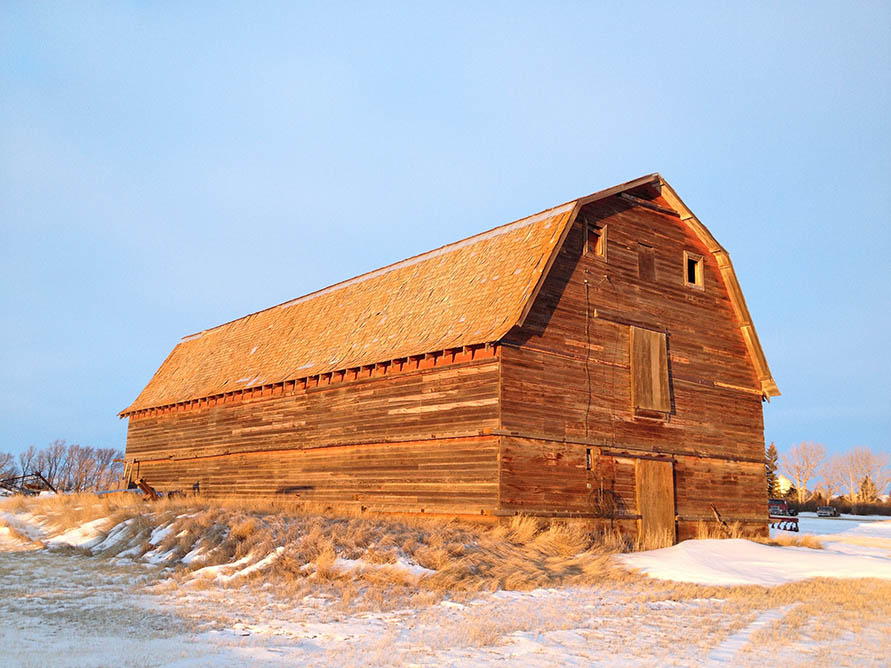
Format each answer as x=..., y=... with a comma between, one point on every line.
x=726, y=652
x=84, y=535
x=11, y=543
x=214, y=571
x=24, y=523
x=195, y=554
x=857, y=550
x=116, y=535
x=256, y=566
x=157, y=557
x=160, y=533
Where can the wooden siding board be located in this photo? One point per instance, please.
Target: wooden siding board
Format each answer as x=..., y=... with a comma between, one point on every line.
x=540, y=476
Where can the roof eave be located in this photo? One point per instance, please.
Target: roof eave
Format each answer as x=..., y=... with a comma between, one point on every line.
x=653, y=179
x=738, y=301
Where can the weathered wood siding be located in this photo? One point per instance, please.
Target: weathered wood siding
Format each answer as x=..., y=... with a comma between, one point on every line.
x=421, y=404
x=566, y=374
x=737, y=489
x=457, y=476
x=540, y=476
x=398, y=440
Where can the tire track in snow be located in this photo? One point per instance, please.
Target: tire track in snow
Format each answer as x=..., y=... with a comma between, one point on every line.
x=727, y=650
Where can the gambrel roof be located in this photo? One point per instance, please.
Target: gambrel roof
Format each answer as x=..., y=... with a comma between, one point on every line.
x=467, y=293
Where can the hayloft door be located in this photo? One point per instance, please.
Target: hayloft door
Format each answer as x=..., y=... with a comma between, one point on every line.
x=655, y=502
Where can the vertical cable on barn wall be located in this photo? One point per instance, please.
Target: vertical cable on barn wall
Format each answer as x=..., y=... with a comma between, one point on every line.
x=614, y=303
x=587, y=353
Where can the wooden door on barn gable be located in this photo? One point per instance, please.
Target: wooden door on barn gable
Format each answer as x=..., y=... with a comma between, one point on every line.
x=655, y=502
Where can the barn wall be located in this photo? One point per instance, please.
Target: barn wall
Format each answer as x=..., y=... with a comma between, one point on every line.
x=737, y=490
x=567, y=376
x=402, y=442
x=704, y=340
x=434, y=476
x=541, y=476
x=546, y=395
x=440, y=402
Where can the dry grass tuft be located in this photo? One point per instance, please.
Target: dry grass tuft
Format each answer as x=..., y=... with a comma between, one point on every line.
x=654, y=540
x=706, y=530
x=792, y=540
x=15, y=534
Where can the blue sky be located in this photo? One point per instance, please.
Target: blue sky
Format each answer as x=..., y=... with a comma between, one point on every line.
x=165, y=167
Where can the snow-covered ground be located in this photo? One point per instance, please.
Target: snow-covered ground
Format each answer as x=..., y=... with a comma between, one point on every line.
x=66, y=607
x=853, y=547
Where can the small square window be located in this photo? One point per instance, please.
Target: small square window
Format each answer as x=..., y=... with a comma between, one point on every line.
x=693, y=270
x=596, y=240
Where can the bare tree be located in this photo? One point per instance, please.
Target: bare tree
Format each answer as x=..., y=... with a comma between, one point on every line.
x=801, y=464
x=73, y=468
x=8, y=467
x=28, y=460
x=860, y=464
x=881, y=473
x=80, y=469
x=52, y=462
x=833, y=478
x=107, y=469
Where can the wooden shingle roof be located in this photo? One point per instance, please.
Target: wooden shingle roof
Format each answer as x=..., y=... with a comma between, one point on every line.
x=464, y=294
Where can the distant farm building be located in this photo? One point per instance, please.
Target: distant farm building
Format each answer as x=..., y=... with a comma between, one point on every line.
x=594, y=360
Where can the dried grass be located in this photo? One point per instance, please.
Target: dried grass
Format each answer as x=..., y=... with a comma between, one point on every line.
x=706, y=530
x=792, y=540
x=522, y=553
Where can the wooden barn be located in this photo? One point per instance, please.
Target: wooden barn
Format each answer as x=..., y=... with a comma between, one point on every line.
x=595, y=360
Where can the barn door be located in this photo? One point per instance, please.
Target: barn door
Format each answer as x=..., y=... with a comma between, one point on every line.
x=655, y=502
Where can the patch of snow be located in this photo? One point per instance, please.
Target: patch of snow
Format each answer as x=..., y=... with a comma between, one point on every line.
x=742, y=562
x=453, y=604
x=113, y=537
x=195, y=554
x=160, y=533
x=214, y=571
x=135, y=551
x=85, y=535
x=23, y=523
x=158, y=557
x=263, y=563
x=727, y=650
x=11, y=543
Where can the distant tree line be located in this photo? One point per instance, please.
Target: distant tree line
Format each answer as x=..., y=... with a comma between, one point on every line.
x=67, y=467
x=857, y=478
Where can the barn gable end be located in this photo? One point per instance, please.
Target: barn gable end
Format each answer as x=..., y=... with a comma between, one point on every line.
x=577, y=435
